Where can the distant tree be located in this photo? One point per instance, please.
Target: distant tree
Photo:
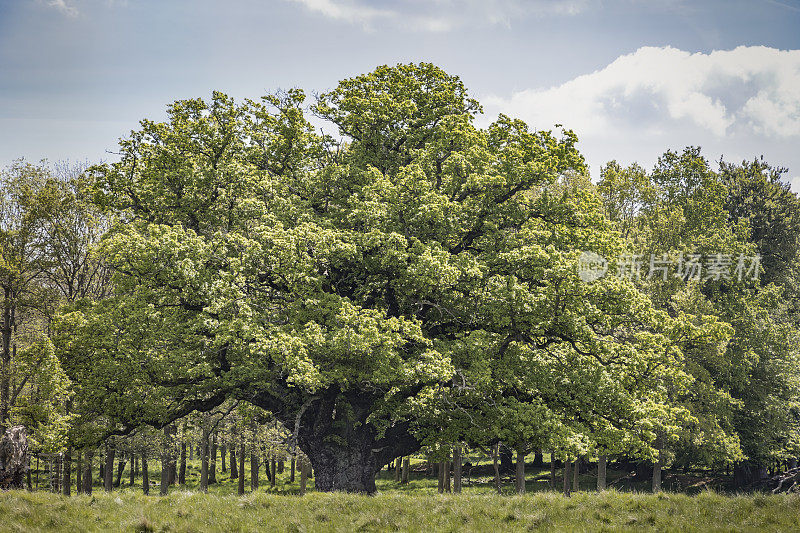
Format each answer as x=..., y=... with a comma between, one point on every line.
x=744, y=392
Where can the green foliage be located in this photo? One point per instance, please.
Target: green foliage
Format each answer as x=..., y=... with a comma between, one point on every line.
x=46, y=228
x=744, y=391
x=425, y=265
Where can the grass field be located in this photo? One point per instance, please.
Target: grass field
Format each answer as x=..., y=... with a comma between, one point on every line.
x=415, y=506
x=128, y=510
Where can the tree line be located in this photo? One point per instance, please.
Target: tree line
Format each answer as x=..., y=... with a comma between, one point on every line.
x=416, y=284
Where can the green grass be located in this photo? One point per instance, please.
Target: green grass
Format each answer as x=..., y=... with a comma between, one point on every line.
x=129, y=510
x=415, y=506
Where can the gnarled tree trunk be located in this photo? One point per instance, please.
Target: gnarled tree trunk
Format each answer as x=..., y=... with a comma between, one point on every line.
x=345, y=449
x=13, y=458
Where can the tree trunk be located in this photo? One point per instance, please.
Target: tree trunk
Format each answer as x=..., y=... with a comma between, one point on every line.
x=204, y=460
x=291, y=470
x=254, y=463
x=567, y=464
x=272, y=469
x=520, y=475
x=553, y=470
x=134, y=468
x=87, y=472
x=212, y=464
x=456, y=469
x=267, y=469
x=303, y=476
x=602, y=462
x=145, y=476
x=397, y=468
x=5, y=363
x=440, y=471
x=447, y=486
x=108, y=469
x=343, y=445
x=173, y=468
x=223, y=450
x=495, y=462
x=120, y=470
x=66, y=482
x=657, y=471
x=281, y=465
x=343, y=468
x=234, y=473
x=506, y=460
x=78, y=472
x=165, y=464
x=14, y=458
x=182, y=470
x=406, y=467
x=241, y=468
x=576, y=475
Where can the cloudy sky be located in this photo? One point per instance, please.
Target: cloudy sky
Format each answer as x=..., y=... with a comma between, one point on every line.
x=632, y=77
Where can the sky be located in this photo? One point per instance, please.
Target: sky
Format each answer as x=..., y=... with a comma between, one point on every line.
x=633, y=78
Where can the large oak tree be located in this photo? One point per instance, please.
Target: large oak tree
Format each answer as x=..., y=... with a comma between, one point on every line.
x=359, y=288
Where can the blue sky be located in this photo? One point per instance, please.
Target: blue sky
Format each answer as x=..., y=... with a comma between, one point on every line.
x=631, y=77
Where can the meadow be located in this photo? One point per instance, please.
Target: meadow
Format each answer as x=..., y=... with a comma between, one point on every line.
x=416, y=506
x=187, y=511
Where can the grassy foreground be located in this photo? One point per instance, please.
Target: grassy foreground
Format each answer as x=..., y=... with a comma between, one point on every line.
x=188, y=511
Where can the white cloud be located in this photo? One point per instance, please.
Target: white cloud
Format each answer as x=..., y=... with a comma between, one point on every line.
x=65, y=7
x=655, y=86
x=347, y=10
x=70, y=8
x=441, y=15
x=738, y=103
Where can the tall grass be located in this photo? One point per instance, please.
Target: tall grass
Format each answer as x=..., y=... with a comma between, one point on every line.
x=129, y=510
